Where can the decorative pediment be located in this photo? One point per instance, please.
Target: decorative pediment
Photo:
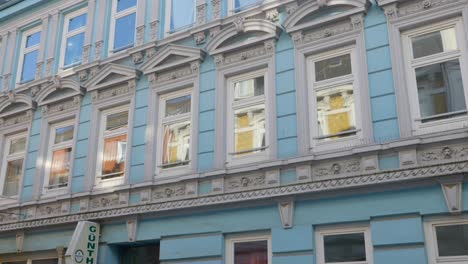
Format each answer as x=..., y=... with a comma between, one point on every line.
x=15, y=108
x=56, y=90
x=242, y=33
x=172, y=56
x=396, y=9
x=111, y=75
x=316, y=20
x=173, y=62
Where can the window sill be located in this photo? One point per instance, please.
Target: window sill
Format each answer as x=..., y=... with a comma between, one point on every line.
x=437, y=126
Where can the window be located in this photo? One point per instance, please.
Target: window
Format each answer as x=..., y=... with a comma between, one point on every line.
x=344, y=245
x=31, y=261
x=180, y=14
x=73, y=39
x=333, y=96
x=175, y=127
x=240, y=5
x=435, y=62
x=29, y=51
x=112, y=147
x=123, y=25
x=57, y=171
x=248, y=115
x=12, y=165
x=248, y=250
x=448, y=240
x=141, y=254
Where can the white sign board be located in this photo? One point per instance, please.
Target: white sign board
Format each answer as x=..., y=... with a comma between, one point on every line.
x=83, y=246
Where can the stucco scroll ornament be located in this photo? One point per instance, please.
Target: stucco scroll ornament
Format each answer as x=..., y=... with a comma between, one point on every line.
x=49, y=66
x=140, y=35
x=86, y=52
x=137, y=57
x=214, y=31
x=239, y=23
x=83, y=75
x=39, y=67
x=195, y=66
x=151, y=52
x=219, y=59
x=272, y=15
x=270, y=46
x=199, y=38
x=152, y=79
x=154, y=29
x=391, y=12
x=201, y=14
x=216, y=6
x=291, y=7
x=98, y=49
x=297, y=37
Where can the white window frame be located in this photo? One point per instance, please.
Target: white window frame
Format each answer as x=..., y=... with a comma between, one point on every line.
x=231, y=240
x=116, y=15
x=167, y=28
x=162, y=121
x=431, y=239
x=252, y=101
x=8, y=157
x=322, y=231
x=319, y=143
x=47, y=190
x=100, y=147
x=67, y=34
x=418, y=127
x=232, y=10
x=24, y=50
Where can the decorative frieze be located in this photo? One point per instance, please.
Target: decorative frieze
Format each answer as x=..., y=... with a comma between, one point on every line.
x=244, y=182
x=48, y=210
x=272, y=177
x=169, y=192
x=217, y=185
x=326, y=32
x=63, y=106
x=304, y=173
x=267, y=48
x=107, y=201
x=443, y=153
x=16, y=119
x=98, y=95
x=409, y=8
x=336, y=169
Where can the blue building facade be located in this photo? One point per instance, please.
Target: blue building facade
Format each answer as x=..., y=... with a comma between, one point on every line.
x=237, y=132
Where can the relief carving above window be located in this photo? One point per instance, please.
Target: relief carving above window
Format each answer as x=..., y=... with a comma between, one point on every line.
x=15, y=109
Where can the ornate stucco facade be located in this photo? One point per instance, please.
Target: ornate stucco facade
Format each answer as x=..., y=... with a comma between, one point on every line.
x=391, y=172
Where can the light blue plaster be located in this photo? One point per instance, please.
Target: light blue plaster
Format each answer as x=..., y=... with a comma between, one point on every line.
x=286, y=104
x=381, y=83
x=204, y=187
x=191, y=247
x=206, y=142
x=294, y=259
x=298, y=238
x=413, y=255
x=287, y=126
x=383, y=107
x=407, y=230
x=288, y=176
x=138, y=136
x=389, y=162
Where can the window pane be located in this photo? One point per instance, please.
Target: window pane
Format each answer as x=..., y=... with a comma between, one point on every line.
x=29, y=66
x=344, y=248
x=125, y=4
x=333, y=67
x=452, y=240
x=435, y=42
x=15, y=262
x=182, y=13
x=239, y=4
x=335, y=111
x=179, y=105
x=17, y=146
x=124, y=31
x=440, y=88
x=176, y=144
x=114, y=155
x=118, y=120
x=147, y=254
x=249, y=130
x=63, y=134
x=33, y=39
x=77, y=22
x=249, y=88
x=255, y=252
x=13, y=174
x=74, y=49
x=60, y=168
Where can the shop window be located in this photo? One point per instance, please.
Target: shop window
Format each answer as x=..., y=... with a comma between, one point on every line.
x=344, y=245
x=29, y=52
x=73, y=39
x=145, y=254
x=249, y=250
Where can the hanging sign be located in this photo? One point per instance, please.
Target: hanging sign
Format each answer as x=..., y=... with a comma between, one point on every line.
x=83, y=246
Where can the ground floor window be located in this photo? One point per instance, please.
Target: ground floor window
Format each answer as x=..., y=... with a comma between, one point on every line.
x=31, y=261
x=142, y=254
x=448, y=240
x=254, y=249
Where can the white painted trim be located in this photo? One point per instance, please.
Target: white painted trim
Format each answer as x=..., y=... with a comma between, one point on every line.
x=322, y=231
x=240, y=238
x=431, y=238
x=66, y=34
x=23, y=50
x=168, y=16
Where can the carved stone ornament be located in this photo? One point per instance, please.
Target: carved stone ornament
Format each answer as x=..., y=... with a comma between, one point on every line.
x=214, y=31
x=217, y=185
x=322, y=3
x=70, y=104
x=140, y=35
x=154, y=30
x=102, y=202
x=453, y=193
x=201, y=14
x=199, y=38
x=132, y=229
x=291, y=7
x=297, y=37
x=239, y=23
x=19, y=241
x=6, y=82
x=244, y=182
x=272, y=177
x=272, y=15
x=304, y=173
x=98, y=49
x=286, y=212
x=444, y=153
x=39, y=68
x=216, y=9
x=49, y=66
x=86, y=53
x=137, y=57
x=151, y=52
x=337, y=168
